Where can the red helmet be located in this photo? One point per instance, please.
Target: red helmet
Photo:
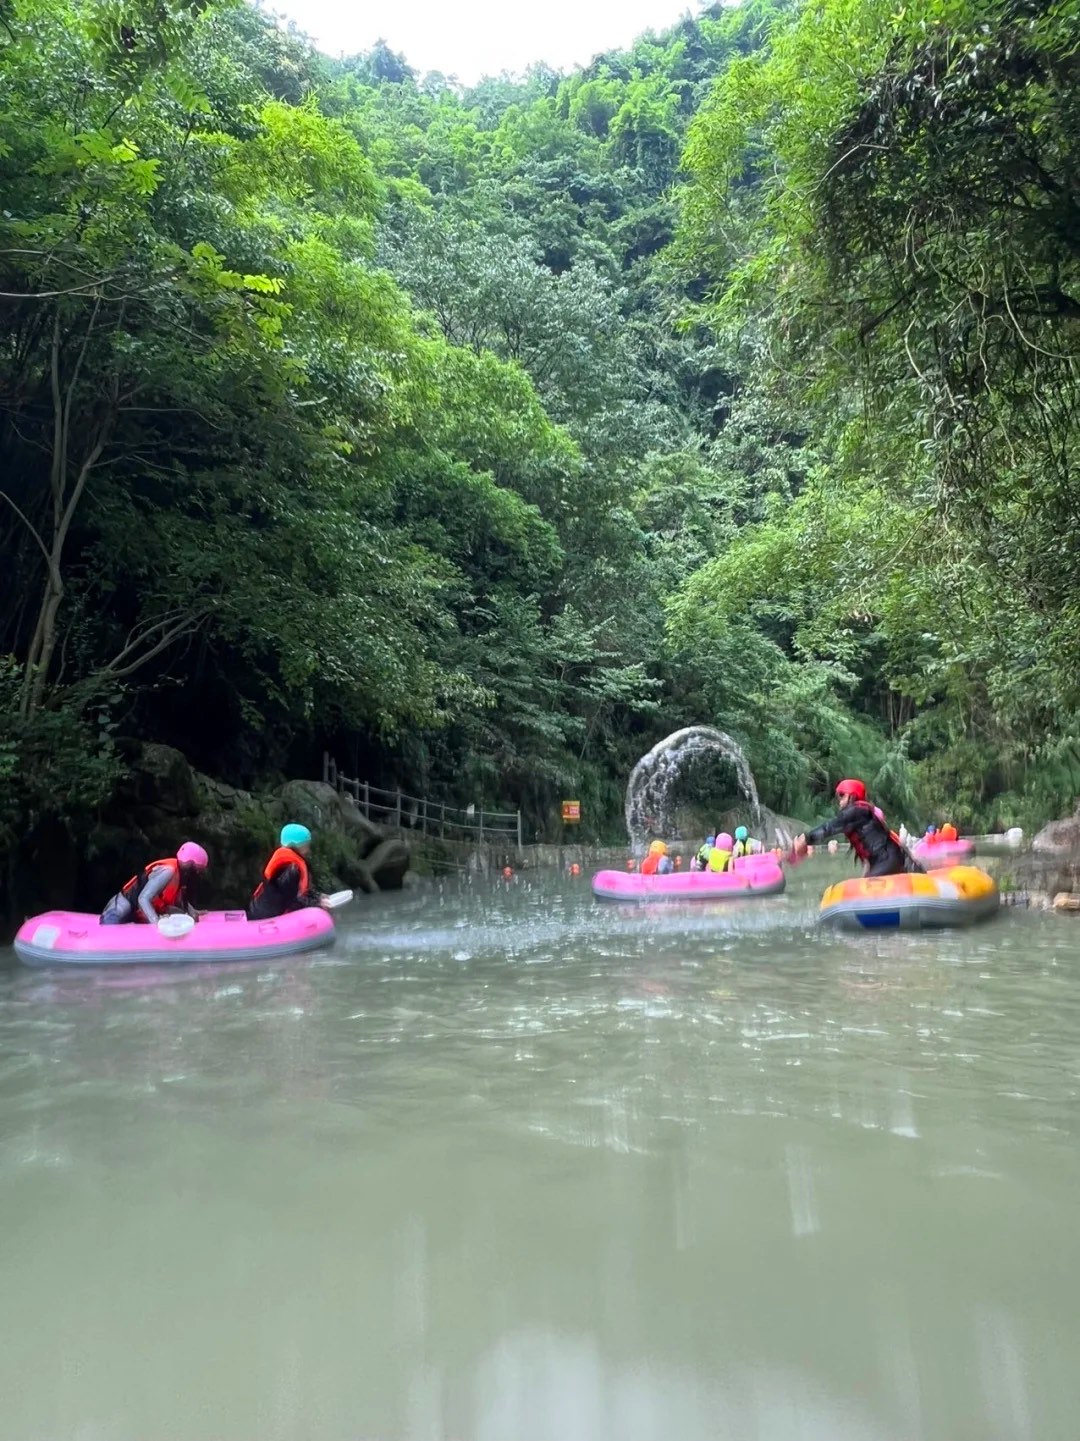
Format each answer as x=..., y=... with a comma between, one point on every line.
x=854, y=790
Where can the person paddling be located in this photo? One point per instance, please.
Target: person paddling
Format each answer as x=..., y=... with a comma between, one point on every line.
x=287, y=883
x=161, y=888
x=866, y=831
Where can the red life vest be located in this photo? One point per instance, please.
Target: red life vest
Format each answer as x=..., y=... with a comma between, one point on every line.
x=166, y=899
x=855, y=842
x=281, y=858
x=649, y=865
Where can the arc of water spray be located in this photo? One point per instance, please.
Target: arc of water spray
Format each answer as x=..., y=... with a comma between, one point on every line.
x=655, y=773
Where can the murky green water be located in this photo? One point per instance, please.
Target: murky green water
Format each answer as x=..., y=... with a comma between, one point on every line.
x=512, y=1165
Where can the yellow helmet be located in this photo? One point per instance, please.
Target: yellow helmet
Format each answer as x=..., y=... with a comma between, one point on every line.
x=658, y=848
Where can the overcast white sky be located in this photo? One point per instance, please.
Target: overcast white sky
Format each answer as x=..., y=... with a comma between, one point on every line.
x=471, y=38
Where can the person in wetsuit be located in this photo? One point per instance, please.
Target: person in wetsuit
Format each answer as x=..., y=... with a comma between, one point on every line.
x=866, y=831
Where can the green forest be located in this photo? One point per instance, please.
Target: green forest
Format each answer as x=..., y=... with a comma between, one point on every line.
x=482, y=436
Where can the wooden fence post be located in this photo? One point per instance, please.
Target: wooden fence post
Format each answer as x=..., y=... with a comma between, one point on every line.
x=397, y=821
x=519, y=829
x=367, y=801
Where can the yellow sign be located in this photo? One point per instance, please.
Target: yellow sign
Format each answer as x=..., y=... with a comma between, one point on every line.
x=571, y=812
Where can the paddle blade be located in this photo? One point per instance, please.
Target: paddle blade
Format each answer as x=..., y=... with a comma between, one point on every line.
x=339, y=898
x=173, y=928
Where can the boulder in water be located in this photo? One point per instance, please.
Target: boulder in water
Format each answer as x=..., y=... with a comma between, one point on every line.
x=1059, y=838
x=388, y=863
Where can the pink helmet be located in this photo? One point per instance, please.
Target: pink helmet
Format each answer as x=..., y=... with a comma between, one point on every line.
x=724, y=841
x=192, y=854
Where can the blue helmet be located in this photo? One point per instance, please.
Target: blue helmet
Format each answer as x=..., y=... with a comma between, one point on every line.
x=741, y=833
x=294, y=835
x=710, y=840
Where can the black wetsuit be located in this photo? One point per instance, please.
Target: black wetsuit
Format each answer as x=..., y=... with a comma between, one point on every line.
x=869, y=838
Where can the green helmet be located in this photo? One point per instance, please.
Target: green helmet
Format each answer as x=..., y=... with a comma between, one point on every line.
x=741, y=833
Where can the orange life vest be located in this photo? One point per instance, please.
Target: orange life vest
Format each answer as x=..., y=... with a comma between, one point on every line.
x=165, y=900
x=282, y=857
x=649, y=865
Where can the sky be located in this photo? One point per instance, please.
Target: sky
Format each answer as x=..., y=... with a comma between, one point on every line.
x=471, y=38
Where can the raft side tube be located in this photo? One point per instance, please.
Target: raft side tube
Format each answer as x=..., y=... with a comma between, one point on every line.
x=939, y=899
x=71, y=938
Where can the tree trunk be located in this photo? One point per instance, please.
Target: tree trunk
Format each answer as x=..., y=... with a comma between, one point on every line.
x=65, y=502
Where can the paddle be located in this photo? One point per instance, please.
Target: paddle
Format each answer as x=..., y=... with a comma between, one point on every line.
x=174, y=928
x=338, y=898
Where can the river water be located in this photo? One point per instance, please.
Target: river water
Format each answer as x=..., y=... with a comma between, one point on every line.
x=513, y=1165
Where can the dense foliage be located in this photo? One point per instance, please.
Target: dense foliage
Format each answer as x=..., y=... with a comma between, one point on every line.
x=468, y=435
x=888, y=199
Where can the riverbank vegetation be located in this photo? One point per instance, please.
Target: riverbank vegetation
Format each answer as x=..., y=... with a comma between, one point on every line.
x=483, y=435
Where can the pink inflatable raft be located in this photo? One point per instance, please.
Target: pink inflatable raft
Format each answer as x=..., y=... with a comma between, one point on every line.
x=73, y=939
x=940, y=855
x=752, y=876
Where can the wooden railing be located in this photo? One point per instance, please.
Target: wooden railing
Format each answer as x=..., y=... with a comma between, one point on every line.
x=431, y=818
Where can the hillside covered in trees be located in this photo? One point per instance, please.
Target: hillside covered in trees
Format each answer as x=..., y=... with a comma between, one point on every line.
x=483, y=436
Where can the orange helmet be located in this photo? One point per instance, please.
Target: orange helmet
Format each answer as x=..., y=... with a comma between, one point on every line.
x=947, y=833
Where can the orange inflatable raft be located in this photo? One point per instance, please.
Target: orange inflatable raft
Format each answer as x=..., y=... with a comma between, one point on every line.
x=955, y=896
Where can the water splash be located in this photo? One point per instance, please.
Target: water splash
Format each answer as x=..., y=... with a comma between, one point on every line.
x=654, y=775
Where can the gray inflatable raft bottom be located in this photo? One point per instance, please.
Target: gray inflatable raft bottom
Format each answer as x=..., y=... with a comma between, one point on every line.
x=41, y=956
x=908, y=913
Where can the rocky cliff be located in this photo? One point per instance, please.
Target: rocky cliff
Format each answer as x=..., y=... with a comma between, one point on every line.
x=161, y=801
